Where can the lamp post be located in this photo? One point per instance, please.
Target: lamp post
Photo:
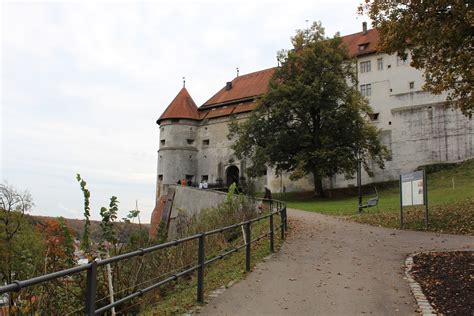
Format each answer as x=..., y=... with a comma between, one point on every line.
x=359, y=180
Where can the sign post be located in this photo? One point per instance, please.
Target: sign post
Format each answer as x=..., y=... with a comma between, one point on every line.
x=413, y=191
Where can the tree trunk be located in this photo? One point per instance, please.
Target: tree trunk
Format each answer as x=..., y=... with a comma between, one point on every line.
x=318, y=186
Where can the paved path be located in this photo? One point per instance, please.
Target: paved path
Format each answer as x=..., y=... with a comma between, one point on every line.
x=329, y=266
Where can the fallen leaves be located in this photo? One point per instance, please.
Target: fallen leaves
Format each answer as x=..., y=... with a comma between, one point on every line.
x=456, y=218
x=446, y=278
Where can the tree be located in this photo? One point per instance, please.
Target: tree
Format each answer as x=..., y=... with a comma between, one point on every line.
x=440, y=37
x=85, y=242
x=313, y=119
x=13, y=226
x=21, y=246
x=59, y=253
x=109, y=216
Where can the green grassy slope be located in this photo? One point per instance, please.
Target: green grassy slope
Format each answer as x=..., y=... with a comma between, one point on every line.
x=452, y=208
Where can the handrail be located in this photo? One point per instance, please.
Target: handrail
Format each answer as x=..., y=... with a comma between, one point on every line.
x=91, y=267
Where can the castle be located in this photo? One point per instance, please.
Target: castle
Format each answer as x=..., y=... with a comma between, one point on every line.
x=415, y=125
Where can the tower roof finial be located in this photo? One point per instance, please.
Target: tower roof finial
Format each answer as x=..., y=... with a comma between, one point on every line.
x=184, y=82
x=237, y=71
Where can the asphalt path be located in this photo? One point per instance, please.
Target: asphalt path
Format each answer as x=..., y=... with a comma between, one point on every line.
x=330, y=266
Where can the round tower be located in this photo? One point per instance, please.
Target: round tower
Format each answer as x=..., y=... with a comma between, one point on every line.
x=177, y=154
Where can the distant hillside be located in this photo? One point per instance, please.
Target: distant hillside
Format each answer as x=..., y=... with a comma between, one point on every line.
x=76, y=225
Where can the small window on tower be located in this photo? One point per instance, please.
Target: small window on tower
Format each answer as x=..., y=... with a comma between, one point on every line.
x=205, y=142
x=412, y=85
x=190, y=141
x=163, y=142
x=205, y=178
x=160, y=177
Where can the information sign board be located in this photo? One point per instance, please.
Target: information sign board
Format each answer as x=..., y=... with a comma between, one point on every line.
x=413, y=191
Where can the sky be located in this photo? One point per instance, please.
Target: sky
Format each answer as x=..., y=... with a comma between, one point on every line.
x=83, y=83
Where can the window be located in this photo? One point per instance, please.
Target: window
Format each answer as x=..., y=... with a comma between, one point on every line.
x=374, y=116
x=366, y=89
x=205, y=178
x=205, y=142
x=190, y=141
x=363, y=46
x=380, y=63
x=412, y=85
x=160, y=177
x=365, y=66
x=163, y=142
x=162, y=129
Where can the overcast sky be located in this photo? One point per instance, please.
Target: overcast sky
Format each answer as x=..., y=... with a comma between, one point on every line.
x=82, y=85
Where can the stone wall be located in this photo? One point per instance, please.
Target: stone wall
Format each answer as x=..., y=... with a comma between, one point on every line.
x=192, y=200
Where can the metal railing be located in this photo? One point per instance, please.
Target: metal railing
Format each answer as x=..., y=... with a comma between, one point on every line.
x=276, y=207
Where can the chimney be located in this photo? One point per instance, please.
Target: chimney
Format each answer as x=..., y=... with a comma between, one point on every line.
x=228, y=86
x=364, y=28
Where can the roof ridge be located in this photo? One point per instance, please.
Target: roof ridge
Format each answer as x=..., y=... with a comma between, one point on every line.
x=361, y=32
x=254, y=72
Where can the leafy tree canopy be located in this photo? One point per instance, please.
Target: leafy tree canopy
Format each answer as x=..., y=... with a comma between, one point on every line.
x=440, y=36
x=313, y=118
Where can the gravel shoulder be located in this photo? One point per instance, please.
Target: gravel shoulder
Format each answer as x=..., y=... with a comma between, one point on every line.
x=330, y=266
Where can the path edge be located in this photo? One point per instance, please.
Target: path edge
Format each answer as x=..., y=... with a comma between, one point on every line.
x=421, y=300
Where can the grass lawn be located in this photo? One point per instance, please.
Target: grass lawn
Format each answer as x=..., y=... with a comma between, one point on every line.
x=451, y=209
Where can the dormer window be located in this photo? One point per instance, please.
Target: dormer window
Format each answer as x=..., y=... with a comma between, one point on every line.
x=363, y=46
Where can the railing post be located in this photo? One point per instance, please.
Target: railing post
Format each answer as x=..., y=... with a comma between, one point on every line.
x=200, y=278
x=247, y=246
x=282, y=224
x=286, y=218
x=91, y=288
x=272, y=246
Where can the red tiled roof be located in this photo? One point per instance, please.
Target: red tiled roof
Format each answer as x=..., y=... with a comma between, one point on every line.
x=245, y=86
x=182, y=106
x=353, y=42
x=207, y=113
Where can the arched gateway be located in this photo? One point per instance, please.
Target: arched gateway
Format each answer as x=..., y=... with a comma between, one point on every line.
x=232, y=175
